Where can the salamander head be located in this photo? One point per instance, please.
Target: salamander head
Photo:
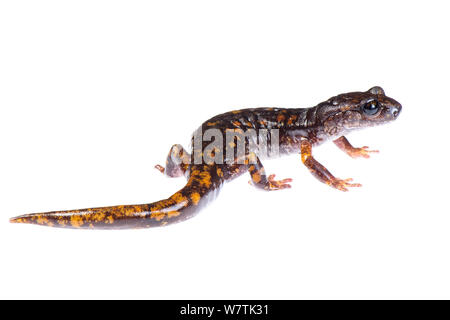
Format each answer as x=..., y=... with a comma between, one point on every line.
x=355, y=110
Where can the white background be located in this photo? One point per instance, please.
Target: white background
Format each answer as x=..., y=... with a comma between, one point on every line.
x=94, y=93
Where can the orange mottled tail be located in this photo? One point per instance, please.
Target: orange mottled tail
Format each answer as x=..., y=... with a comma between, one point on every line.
x=199, y=190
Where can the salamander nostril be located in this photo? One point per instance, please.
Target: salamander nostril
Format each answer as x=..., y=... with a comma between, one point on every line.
x=395, y=111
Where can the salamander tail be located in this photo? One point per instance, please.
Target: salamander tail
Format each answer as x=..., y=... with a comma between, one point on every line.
x=184, y=204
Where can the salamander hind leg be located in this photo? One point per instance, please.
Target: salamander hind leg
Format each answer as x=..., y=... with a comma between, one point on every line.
x=260, y=179
x=320, y=172
x=177, y=162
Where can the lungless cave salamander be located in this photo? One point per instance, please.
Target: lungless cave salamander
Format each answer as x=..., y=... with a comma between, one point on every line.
x=297, y=129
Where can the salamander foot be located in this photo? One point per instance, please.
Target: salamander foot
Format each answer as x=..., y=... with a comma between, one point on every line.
x=343, y=184
x=362, y=152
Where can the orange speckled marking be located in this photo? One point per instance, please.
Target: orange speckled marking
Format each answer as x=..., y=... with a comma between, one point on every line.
x=281, y=117
x=205, y=179
x=61, y=221
x=292, y=119
x=162, y=204
x=305, y=149
x=157, y=215
x=97, y=217
x=76, y=221
x=41, y=220
x=256, y=177
x=195, y=198
x=178, y=197
x=172, y=214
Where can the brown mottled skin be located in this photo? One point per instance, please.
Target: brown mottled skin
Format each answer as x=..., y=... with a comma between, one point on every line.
x=299, y=130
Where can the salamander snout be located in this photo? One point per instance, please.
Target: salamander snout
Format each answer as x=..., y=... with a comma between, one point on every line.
x=392, y=109
x=395, y=110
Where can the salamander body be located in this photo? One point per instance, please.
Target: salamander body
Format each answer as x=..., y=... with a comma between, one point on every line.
x=228, y=145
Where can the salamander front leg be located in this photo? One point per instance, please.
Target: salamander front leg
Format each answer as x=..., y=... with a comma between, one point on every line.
x=260, y=180
x=320, y=172
x=353, y=152
x=177, y=162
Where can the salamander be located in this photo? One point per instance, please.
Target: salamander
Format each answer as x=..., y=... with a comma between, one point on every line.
x=286, y=130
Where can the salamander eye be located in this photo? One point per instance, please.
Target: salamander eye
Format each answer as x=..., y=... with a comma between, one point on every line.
x=371, y=108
